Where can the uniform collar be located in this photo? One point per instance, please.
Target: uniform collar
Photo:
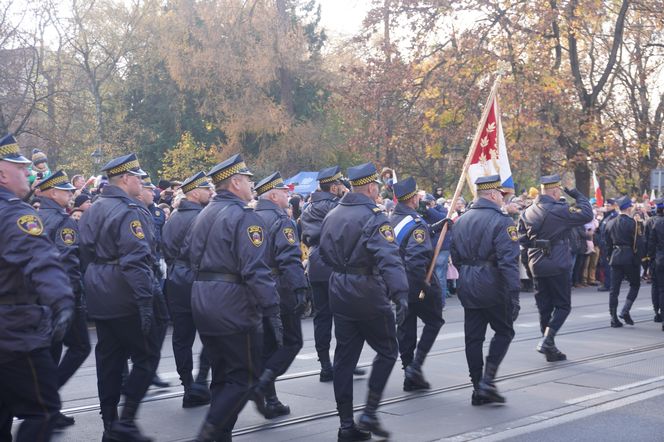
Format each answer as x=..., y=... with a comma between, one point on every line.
x=264, y=204
x=483, y=203
x=356, y=199
x=189, y=205
x=546, y=199
x=226, y=195
x=322, y=196
x=6, y=194
x=402, y=209
x=47, y=203
x=111, y=191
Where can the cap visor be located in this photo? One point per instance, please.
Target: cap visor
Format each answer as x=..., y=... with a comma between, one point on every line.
x=19, y=159
x=138, y=172
x=245, y=172
x=66, y=186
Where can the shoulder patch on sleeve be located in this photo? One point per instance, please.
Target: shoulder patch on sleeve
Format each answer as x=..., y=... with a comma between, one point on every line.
x=289, y=233
x=137, y=229
x=512, y=232
x=376, y=210
x=419, y=235
x=30, y=224
x=387, y=232
x=255, y=235
x=68, y=236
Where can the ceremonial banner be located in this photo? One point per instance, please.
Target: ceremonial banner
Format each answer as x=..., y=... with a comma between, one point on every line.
x=490, y=153
x=598, y=192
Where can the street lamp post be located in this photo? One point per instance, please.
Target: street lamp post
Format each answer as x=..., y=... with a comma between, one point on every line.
x=96, y=159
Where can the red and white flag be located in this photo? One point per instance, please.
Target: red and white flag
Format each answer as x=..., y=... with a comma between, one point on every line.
x=490, y=154
x=599, y=199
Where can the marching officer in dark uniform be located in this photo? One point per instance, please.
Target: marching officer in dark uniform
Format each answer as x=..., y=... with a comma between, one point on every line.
x=284, y=258
x=358, y=243
x=233, y=290
x=36, y=306
x=652, y=255
x=622, y=237
x=604, y=254
x=153, y=218
x=414, y=241
x=198, y=191
x=485, y=247
x=544, y=229
x=656, y=254
x=56, y=194
x=322, y=201
x=119, y=283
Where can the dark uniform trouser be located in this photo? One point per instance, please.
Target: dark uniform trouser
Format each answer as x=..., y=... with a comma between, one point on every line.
x=279, y=359
x=184, y=334
x=29, y=391
x=658, y=275
x=322, y=318
x=77, y=341
x=380, y=334
x=553, y=297
x=618, y=273
x=118, y=339
x=236, y=365
x=604, y=264
x=654, y=288
x=430, y=311
x=499, y=317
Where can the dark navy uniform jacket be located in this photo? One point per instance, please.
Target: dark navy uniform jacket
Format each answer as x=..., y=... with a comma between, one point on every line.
x=548, y=219
x=622, y=240
x=656, y=241
x=283, y=253
x=158, y=219
x=175, y=248
x=356, y=237
x=485, y=247
x=151, y=235
x=119, y=276
x=63, y=231
x=33, y=285
x=228, y=237
x=416, y=250
x=311, y=222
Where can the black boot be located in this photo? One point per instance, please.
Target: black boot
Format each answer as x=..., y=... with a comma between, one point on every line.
x=208, y=433
x=125, y=429
x=357, y=371
x=275, y=408
x=108, y=415
x=368, y=421
x=195, y=395
x=348, y=432
x=547, y=346
x=159, y=382
x=615, y=322
x=487, y=390
x=413, y=377
x=326, y=372
x=61, y=421
x=261, y=389
x=624, y=314
x=658, y=317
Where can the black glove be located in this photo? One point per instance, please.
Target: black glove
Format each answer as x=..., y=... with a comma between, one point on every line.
x=277, y=328
x=146, y=313
x=301, y=296
x=438, y=226
x=61, y=322
x=574, y=193
x=515, y=311
x=402, y=311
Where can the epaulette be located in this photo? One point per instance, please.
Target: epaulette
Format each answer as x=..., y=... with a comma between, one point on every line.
x=376, y=210
x=133, y=205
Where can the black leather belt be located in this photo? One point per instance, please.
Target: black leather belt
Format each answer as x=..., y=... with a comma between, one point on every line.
x=366, y=271
x=214, y=276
